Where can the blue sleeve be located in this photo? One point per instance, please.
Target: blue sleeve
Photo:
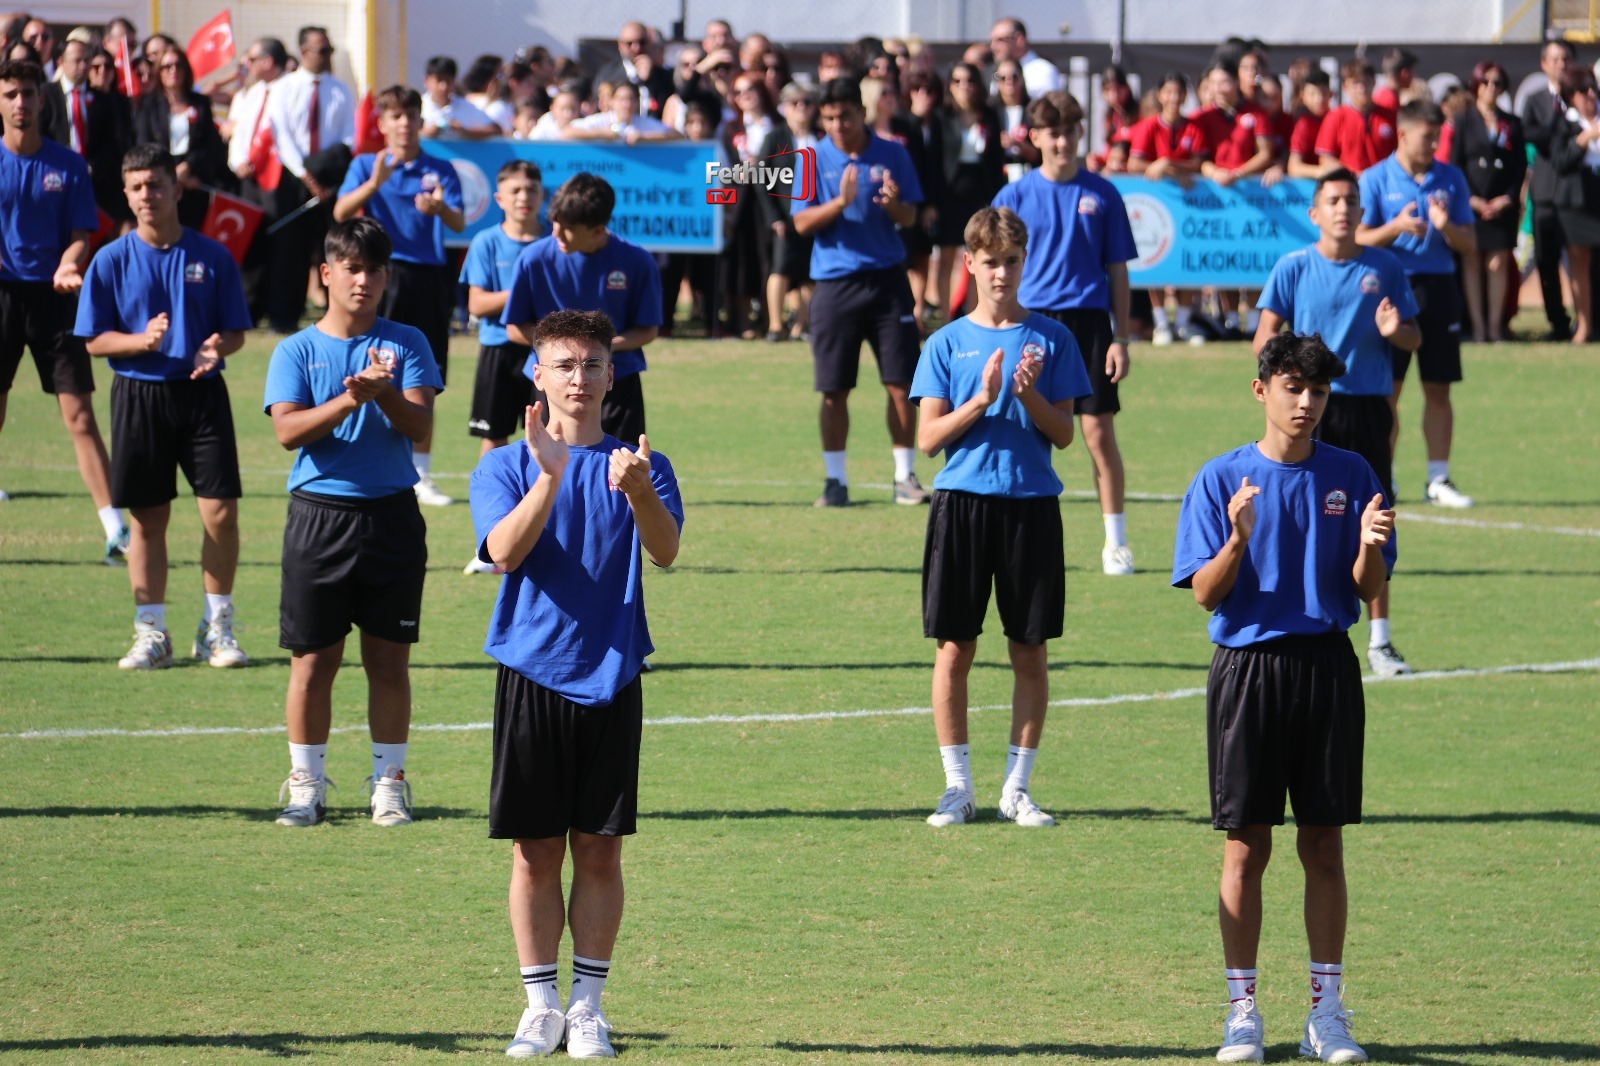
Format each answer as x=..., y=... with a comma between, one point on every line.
x=1278, y=296
x=1405, y=301
x=360, y=170
x=477, y=268
x=1120, y=247
x=1008, y=196
x=665, y=482
x=494, y=490
x=233, y=312
x=825, y=189
x=1371, y=200
x=906, y=175
x=1066, y=378
x=286, y=377
x=1202, y=529
x=1373, y=488
x=646, y=309
x=932, y=377
x=450, y=182
x=97, y=303
x=419, y=369
x=519, y=299
x=82, y=212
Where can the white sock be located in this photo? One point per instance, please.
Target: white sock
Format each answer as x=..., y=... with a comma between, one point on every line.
x=833, y=464
x=1158, y=316
x=1116, y=529
x=1241, y=984
x=957, y=759
x=1377, y=632
x=1185, y=312
x=385, y=756
x=1438, y=470
x=215, y=602
x=903, y=459
x=1019, y=768
x=1252, y=321
x=111, y=519
x=1325, y=979
x=588, y=981
x=308, y=757
x=150, y=616
x=540, y=984
x=423, y=461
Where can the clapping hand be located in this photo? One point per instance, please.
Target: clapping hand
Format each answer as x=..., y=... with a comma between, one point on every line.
x=992, y=369
x=431, y=204
x=630, y=470
x=206, y=357
x=547, y=444
x=1029, y=367
x=1377, y=522
x=1438, y=212
x=1408, y=222
x=1387, y=318
x=888, y=191
x=155, y=331
x=1242, y=509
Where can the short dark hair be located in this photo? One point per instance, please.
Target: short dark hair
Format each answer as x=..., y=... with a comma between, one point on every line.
x=148, y=157
x=441, y=67
x=1298, y=355
x=358, y=240
x=583, y=200
x=1561, y=43
x=1055, y=110
x=1356, y=69
x=1174, y=76
x=520, y=168
x=1397, y=59
x=21, y=70
x=586, y=327
x=1336, y=174
x=1420, y=112
x=707, y=106
x=484, y=69
x=274, y=50
x=306, y=32
x=1574, y=80
x=1319, y=77
x=397, y=98
x=840, y=91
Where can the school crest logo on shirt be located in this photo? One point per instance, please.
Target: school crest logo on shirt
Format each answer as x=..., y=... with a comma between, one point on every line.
x=616, y=280
x=384, y=357
x=1088, y=205
x=54, y=181
x=194, y=273
x=1033, y=351
x=430, y=181
x=1441, y=198
x=1335, y=503
x=876, y=171
x=1385, y=130
x=1371, y=285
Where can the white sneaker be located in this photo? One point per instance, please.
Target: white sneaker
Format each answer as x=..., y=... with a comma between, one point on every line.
x=478, y=566
x=1244, y=1034
x=1443, y=492
x=1386, y=661
x=152, y=650
x=391, y=798
x=538, y=1033
x=428, y=493
x=214, y=642
x=955, y=807
x=1019, y=807
x=1116, y=560
x=4, y=496
x=1328, y=1035
x=1161, y=337
x=586, y=1034
x=307, y=800
x=1196, y=339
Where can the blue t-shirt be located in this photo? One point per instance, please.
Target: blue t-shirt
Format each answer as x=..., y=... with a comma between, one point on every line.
x=1003, y=453
x=1076, y=229
x=571, y=617
x=418, y=238
x=195, y=282
x=864, y=236
x=488, y=265
x=1295, y=578
x=1385, y=191
x=43, y=198
x=364, y=456
x=620, y=279
x=1338, y=299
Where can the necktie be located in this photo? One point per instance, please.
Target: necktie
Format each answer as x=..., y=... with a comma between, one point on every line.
x=261, y=114
x=80, y=131
x=316, y=120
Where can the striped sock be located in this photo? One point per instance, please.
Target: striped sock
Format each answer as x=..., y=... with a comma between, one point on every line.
x=1325, y=980
x=1241, y=984
x=540, y=983
x=588, y=981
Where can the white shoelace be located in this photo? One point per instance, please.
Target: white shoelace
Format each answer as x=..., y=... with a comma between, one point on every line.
x=1022, y=804
x=149, y=643
x=1244, y=1024
x=953, y=800
x=587, y=1023
x=303, y=794
x=390, y=795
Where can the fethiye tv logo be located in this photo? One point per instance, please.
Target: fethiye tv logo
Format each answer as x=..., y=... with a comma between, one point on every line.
x=796, y=171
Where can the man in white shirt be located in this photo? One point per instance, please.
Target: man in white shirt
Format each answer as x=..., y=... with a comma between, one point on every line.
x=1009, y=40
x=622, y=123
x=264, y=62
x=447, y=114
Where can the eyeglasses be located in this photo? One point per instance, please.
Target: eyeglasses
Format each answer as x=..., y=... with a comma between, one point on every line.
x=325, y=50
x=1005, y=77
x=593, y=369
x=168, y=66
x=960, y=81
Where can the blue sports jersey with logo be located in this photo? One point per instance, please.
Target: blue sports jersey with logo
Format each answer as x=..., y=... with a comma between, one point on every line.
x=864, y=236
x=1385, y=191
x=1076, y=229
x=418, y=238
x=491, y=257
x=43, y=198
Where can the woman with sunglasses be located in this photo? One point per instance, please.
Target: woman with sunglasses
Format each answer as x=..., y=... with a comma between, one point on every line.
x=974, y=168
x=1488, y=147
x=1010, y=102
x=179, y=119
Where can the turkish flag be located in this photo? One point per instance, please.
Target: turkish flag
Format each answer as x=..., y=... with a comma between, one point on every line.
x=264, y=157
x=211, y=51
x=368, y=137
x=232, y=222
x=127, y=81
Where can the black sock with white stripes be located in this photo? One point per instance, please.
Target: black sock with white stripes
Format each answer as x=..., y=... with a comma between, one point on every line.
x=588, y=981
x=540, y=982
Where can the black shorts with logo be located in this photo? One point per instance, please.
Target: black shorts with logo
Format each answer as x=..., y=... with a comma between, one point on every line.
x=1013, y=544
x=1091, y=328
x=159, y=427
x=1361, y=424
x=350, y=561
x=621, y=412
x=873, y=306
x=423, y=295
x=499, y=391
x=1286, y=715
x=34, y=316
x=559, y=765
x=1439, y=318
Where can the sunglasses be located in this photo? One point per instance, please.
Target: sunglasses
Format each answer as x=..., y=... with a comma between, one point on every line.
x=961, y=81
x=325, y=50
x=1495, y=83
x=168, y=66
x=1005, y=77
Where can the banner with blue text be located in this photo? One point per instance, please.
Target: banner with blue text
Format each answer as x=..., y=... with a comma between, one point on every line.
x=1227, y=236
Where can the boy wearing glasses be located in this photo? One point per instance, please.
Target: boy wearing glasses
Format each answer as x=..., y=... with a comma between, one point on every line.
x=566, y=515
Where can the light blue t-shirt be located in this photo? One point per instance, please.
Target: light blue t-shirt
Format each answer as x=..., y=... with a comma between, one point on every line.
x=1295, y=578
x=864, y=236
x=1338, y=298
x=491, y=257
x=43, y=198
x=365, y=456
x=418, y=238
x=1003, y=453
x=1386, y=189
x=1076, y=229
x=571, y=617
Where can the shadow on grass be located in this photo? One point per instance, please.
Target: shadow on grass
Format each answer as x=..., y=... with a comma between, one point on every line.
x=282, y=1045
x=872, y=814
x=1497, y=572
x=1103, y=1052
x=352, y=816
x=1450, y=1054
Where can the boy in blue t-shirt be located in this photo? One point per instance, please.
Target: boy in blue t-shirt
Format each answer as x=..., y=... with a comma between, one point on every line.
x=566, y=515
x=997, y=390
x=1282, y=540
x=165, y=306
x=351, y=394
x=415, y=196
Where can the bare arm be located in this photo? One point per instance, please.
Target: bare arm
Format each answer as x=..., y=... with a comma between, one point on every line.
x=514, y=536
x=484, y=303
x=1213, y=581
x=939, y=426
x=634, y=338
x=1267, y=328
x=409, y=412
x=1118, y=362
x=1299, y=168
x=520, y=333
x=112, y=344
x=1265, y=154
x=821, y=216
x=297, y=425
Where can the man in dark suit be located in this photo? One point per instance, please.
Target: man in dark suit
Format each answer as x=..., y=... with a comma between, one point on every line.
x=87, y=122
x=1541, y=113
x=636, y=64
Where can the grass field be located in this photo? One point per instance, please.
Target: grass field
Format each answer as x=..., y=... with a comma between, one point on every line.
x=786, y=902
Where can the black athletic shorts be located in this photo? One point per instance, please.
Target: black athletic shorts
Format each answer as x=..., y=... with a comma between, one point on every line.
x=1439, y=318
x=621, y=412
x=158, y=427
x=559, y=765
x=791, y=256
x=499, y=392
x=1015, y=545
x=1285, y=715
x=35, y=316
x=873, y=306
x=1091, y=328
x=349, y=561
x=423, y=295
x=1361, y=424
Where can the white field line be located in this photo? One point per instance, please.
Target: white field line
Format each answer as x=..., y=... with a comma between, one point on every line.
x=1473, y=523
x=819, y=716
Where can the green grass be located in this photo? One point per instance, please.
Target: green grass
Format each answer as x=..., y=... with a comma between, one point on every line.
x=786, y=903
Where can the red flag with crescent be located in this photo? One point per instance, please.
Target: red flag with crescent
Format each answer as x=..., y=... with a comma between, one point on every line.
x=232, y=222
x=211, y=50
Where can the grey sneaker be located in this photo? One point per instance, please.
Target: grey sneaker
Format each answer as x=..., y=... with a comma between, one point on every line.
x=1244, y=1034
x=908, y=490
x=539, y=1033
x=152, y=650
x=1386, y=661
x=835, y=493
x=214, y=641
x=307, y=800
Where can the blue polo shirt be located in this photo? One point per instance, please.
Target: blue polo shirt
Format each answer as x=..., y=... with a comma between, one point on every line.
x=620, y=279
x=1076, y=229
x=195, y=283
x=43, y=198
x=1338, y=299
x=864, y=236
x=1386, y=189
x=1295, y=578
x=571, y=617
x=491, y=257
x=365, y=456
x=1003, y=453
x=418, y=238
